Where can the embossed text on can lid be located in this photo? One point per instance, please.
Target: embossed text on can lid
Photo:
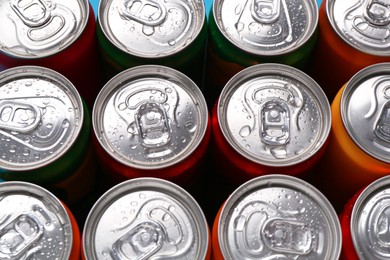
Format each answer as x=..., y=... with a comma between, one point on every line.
x=278, y=217
x=370, y=221
x=150, y=117
x=146, y=218
x=35, y=29
x=149, y=28
x=266, y=27
x=365, y=110
x=363, y=24
x=33, y=223
x=274, y=115
x=41, y=114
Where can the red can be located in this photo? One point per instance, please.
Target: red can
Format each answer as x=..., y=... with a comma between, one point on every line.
x=151, y=121
x=55, y=34
x=270, y=118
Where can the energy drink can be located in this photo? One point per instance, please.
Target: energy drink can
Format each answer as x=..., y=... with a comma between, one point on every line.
x=276, y=217
x=153, y=219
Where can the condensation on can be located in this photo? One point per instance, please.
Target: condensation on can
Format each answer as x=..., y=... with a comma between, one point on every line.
x=146, y=218
x=276, y=216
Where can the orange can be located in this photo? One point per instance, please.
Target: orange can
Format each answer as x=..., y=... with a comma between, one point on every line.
x=351, y=38
x=358, y=151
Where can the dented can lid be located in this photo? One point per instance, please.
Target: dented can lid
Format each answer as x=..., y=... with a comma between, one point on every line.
x=150, y=117
x=146, y=218
x=33, y=223
x=35, y=29
x=365, y=110
x=274, y=115
x=41, y=114
x=278, y=217
x=151, y=29
x=363, y=24
x=266, y=27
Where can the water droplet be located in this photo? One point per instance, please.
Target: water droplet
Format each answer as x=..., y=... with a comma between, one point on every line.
x=26, y=152
x=279, y=153
x=12, y=149
x=171, y=42
x=65, y=123
x=190, y=126
x=147, y=30
x=245, y=131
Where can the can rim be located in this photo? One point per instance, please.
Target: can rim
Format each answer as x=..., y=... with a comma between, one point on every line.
x=275, y=69
x=142, y=184
x=65, y=84
x=283, y=181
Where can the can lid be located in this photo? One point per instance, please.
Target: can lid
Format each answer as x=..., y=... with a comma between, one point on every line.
x=150, y=117
x=370, y=221
x=146, y=218
x=274, y=114
x=149, y=28
x=363, y=24
x=41, y=114
x=281, y=217
x=35, y=29
x=365, y=110
x=266, y=27
x=33, y=223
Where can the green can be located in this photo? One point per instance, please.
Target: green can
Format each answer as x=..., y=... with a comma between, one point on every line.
x=170, y=33
x=244, y=33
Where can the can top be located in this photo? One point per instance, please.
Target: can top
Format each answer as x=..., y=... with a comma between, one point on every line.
x=363, y=24
x=33, y=223
x=369, y=221
x=274, y=114
x=41, y=114
x=266, y=27
x=365, y=110
x=35, y=29
x=151, y=29
x=146, y=218
x=150, y=117
x=281, y=217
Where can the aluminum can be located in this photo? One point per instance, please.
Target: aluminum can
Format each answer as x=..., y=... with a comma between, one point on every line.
x=170, y=33
x=56, y=34
x=276, y=217
x=358, y=151
x=353, y=35
x=270, y=118
x=244, y=33
x=146, y=218
x=34, y=224
x=45, y=131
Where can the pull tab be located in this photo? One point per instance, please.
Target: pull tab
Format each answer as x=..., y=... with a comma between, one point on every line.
x=33, y=13
x=383, y=226
x=266, y=11
x=275, y=123
x=378, y=12
x=146, y=12
x=382, y=128
x=19, y=116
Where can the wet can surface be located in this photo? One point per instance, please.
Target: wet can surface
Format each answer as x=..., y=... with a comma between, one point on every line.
x=276, y=217
x=56, y=34
x=34, y=224
x=151, y=121
x=270, y=118
x=170, y=33
x=353, y=35
x=358, y=151
x=45, y=130
x=244, y=33
x=146, y=218
x=364, y=222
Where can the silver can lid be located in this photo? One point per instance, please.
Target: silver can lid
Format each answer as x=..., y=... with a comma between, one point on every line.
x=363, y=24
x=149, y=28
x=146, y=218
x=150, y=117
x=266, y=27
x=274, y=115
x=41, y=114
x=35, y=29
x=369, y=221
x=365, y=110
x=33, y=223
x=278, y=217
